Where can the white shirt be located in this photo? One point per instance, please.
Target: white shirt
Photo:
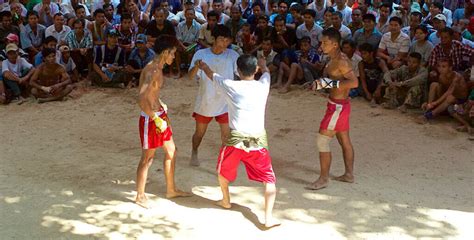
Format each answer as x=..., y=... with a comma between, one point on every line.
x=355, y=64
x=100, y=3
x=70, y=65
x=209, y=101
x=223, y=19
x=314, y=33
x=66, y=7
x=60, y=36
x=346, y=14
x=181, y=17
x=53, y=10
x=247, y=101
x=20, y=65
x=346, y=32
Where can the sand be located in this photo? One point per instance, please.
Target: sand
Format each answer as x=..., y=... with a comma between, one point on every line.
x=68, y=172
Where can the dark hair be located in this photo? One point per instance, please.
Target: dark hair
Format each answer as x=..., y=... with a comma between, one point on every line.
x=81, y=21
x=329, y=9
x=221, y=31
x=416, y=55
x=164, y=42
x=439, y=5
x=396, y=19
x=107, y=5
x=282, y=1
x=268, y=39
x=189, y=9
x=387, y=5
x=49, y=39
x=423, y=28
x=310, y=12
x=447, y=30
x=47, y=51
x=305, y=39
x=417, y=14
x=247, y=65
x=245, y=25
x=297, y=7
x=366, y=47
x=257, y=3
x=5, y=14
x=212, y=14
x=31, y=13
x=350, y=42
x=339, y=14
x=279, y=18
x=125, y=16
x=369, y=16
x=79, y=7
x=97, y=11
x=58, y=15
x=333, y=34
x=448, y=60
x=263, y=17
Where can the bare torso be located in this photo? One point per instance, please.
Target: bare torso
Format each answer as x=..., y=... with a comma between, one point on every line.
x=49, y=75
x=335, y=71
x=151, y=80
x=460, y=90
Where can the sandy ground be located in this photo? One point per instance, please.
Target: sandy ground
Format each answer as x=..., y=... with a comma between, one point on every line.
x=68, y=172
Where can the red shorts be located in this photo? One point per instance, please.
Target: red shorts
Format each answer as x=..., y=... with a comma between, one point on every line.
x=222, y=119
x=337, y=115
x=258, y=164
x=151, y=139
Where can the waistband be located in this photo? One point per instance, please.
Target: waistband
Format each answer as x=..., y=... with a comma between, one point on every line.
x=339, y=101
x=161, y=112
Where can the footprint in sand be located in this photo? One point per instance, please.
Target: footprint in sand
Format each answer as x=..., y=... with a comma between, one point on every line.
x=282, y=132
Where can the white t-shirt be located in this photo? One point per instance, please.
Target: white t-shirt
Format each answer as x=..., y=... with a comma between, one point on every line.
x=20, y=65
x=246, y=101
x=209, y=101
x=70, y=65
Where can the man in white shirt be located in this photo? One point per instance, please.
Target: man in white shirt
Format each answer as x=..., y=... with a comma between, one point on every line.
x=218, y=6
x=189, y=4
x=349, y=48
x=58, y=29
x=394, y=46
x=340, y=6
x=309, y=28
x=247, y=142
x=46, y=10
x=337, y=24
x=210, y=102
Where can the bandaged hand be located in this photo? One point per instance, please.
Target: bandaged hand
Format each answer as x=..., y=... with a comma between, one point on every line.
x=324, y=83
x=163, y=105
x=161, y=124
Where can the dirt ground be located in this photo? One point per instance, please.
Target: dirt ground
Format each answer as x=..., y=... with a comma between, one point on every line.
x=68, y=172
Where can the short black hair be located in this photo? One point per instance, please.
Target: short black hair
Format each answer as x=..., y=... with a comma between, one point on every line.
x=107, y=5
x=438, y=5
x=79, y=7
x=396, y=19
x=247, y=65
x=310, y=12
x=337, y=13
x=350, y=42
x=423, y=28
x=282, y=1
x=221, y=31
x=329, y=9
x=387, y=5
x=212, y=14
x=418, y=15
x=416, y=55
x=164, y=42
x=259, y=4
x=297, y=7
x=49, y=39
x=447, y=30
x=366, y=47
x=32, y=13
x=81, y=21
x=369, y=16
x=263, y=17
x=98, y=11
x=125, y=16
x=58, y=15
x=333, y=34
x=279, y=18
x=5, y=14
x=305, y=39
x=268, y=39
x=47, y=51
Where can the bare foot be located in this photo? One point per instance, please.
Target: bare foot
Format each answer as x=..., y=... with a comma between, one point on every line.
x=194, y=159
x=319, y=184
x=284, y=89
x=142, y=202
x=272, y=223
x=222, y=204
x=349, y=178
x=178, y=193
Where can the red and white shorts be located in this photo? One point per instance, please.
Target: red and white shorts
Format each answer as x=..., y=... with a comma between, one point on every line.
x=258, y=164
x=149, y=137
x=337, y=115
x=221, y=119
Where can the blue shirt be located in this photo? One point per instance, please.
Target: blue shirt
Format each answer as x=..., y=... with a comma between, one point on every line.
x=313, y=56
x=142, y=62
x=28, y=37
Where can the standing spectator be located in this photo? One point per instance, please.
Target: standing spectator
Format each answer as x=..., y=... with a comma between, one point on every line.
x=421, y=44
x=340, y=6
x=159, y=26
x=189, y=4
x=236, y=21
x=32, y=35
x=371, y=70
x=356, y=23
x=127, y=33
x=141, y=55
x=98, y=27
x=415, y=21
x=406, y=84
x=337, y=24
x=46, y=10
x=58, y=30
x=309, y=28
x=16, y=72
x=205, y=38
x=383, y=19
x=368, y=34
x=439, y=23
x=80, y=43
x=7, y=27
x=394, y=45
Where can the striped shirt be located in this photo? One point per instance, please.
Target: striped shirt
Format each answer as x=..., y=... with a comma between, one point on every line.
x=401, y=44
x=86, y=41
x=459, y=54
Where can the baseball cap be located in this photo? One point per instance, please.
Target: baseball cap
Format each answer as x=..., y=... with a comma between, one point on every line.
x=113, y=32
x=415, y=7
x=12, y=37
x=141, y=38
x=64, y=48
x=11, y=47
x=440, y=17
x=189, y=2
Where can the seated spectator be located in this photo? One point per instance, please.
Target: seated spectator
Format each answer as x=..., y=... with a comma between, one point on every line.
x=98, y=27
x=111, y=18
x=205, y=38
x=326, y=22
x=189, y=4
x=68, y=63
x=127, y=33
x=141, y=55
x=268, y=54
x=187, y=34
x=262, y=31
x=81, y=13
x=50, y=82
x=463, y=13
x=406, y=84
x=236, y=21
x=371, y=70
x=245, y=8
x=136, y=14
x=349, y=48
x=309, y=28
x=436, y=8
x=439, y=22
x=170, y=16
x=341, y=7
x=58, y=30
x=71, y=6
x=257, y=11
x=4, y=98
x=174, y=6
x=46, y=10
x=282, y=37
x=109, y=63
x=218, y=7
x=18, y=12
x=415, y=21
x=337, y=24
x=307, y=57
x=450, y=88
x=32, y=35
x=49, y=42
x=80, y=44
x=453, y=50
x=421, y=44
x=16, y=73
x=394, y=45
x=282, y=11
x=295, y=10
x=319, y=6
x=6, y=27
x=383, y=19
x=463, y=113
x=246, y=40
x=356, y=23
x=458, y=37
x=368, y=34
x=12, y=38
x=159, y=26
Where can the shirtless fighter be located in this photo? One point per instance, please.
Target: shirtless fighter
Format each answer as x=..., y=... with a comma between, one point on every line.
x=155, y=128
x=336, y=120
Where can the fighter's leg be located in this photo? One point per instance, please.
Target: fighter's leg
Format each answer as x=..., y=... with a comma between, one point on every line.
x=142, y=173
x=348, y=154
x=201, y=129
x=225, y=201
x=169, y=164
x=270, y=195
x=225, y=132
x=323, y=140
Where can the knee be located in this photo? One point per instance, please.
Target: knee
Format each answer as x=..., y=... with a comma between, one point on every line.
x=434, y=85
x=322, y=142
x=270, y=189
x=451, y=99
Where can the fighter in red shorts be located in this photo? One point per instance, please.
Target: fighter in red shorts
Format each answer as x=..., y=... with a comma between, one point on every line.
x=155, y=128
x=336, y=120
